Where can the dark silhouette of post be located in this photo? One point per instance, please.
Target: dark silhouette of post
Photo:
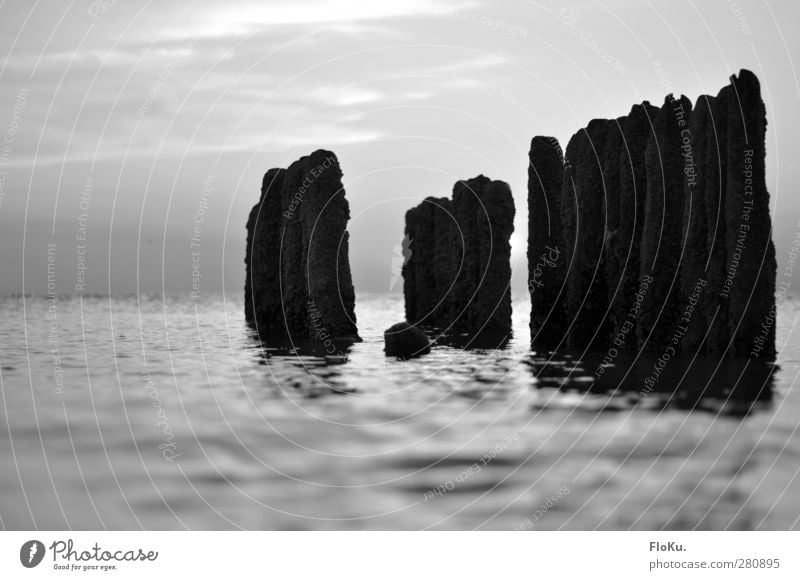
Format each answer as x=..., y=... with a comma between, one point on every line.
x=750, y=279
x=584, y=226
x=626, y=241
x=715, y=179
x=546, y=265
x=458, y=274
x=491, y=308
x=662, y=236
x=615, y=256
x=262, y=297
x=664, y=230
x=298, y=282
x=694, y=273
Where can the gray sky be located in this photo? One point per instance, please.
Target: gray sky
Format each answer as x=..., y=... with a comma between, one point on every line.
x=141, y=115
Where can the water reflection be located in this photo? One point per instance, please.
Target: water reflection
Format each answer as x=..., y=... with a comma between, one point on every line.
x=312, y=368
x=487, y=339
x=719, y=385
x=333, y=351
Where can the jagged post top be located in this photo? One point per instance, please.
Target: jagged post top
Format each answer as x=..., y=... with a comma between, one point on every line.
x=746, y=78
x=469, y=188
x=271, y=178
x=499, y=203
x=320, y=158
x=544, y=143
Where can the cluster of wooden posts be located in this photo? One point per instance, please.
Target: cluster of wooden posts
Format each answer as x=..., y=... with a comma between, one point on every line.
x=652, y=231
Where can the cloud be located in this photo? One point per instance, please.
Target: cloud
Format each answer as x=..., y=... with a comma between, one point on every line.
x=239, y=19
x=348, y=96
x=324, y=137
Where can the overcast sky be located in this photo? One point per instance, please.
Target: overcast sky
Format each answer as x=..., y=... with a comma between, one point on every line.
x=138, y=115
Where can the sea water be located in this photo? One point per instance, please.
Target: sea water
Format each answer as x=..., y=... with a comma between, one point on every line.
x=166, y=413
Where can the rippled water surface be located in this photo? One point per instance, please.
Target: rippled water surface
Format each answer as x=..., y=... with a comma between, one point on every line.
x=166, y=414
